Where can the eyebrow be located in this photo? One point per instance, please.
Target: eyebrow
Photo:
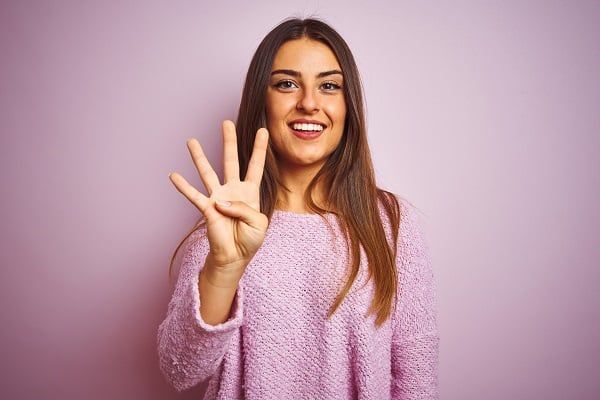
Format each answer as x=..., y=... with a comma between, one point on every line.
x=297, y=74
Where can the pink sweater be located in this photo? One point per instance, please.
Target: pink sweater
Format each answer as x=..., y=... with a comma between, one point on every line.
x=278, y=344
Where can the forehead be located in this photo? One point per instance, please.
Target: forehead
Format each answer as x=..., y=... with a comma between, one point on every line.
x=306, y=56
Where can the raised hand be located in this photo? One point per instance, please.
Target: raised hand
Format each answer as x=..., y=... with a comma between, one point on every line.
x=235, y=232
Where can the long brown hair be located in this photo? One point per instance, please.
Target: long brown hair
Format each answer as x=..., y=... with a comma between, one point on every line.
x=347, y=175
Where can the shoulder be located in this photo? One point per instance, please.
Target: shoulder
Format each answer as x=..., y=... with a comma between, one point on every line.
x=408, y=212
x=410, y=222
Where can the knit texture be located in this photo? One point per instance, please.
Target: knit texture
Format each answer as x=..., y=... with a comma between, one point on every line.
x=278, y=342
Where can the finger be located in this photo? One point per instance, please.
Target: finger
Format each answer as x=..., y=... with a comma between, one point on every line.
x=209, y=177
x=247, y=214
x=198, y=199
x=257, y=161
x=231, y=164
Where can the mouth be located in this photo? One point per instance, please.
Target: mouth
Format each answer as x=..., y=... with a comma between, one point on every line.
x=307, y=131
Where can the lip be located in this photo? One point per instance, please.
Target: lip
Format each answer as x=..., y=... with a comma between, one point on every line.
x=307, y=121
x=306, y=135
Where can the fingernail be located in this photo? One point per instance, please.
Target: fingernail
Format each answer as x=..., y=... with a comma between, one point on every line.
x=223, y=203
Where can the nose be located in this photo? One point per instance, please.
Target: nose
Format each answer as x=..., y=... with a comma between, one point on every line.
x=308, y=102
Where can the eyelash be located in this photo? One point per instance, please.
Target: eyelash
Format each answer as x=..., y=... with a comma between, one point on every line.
x=335, y=85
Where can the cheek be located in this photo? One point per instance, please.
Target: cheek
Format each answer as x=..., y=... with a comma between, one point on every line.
x=269, y=102
x=342, y=111
x=278, y=105
x=337, y=111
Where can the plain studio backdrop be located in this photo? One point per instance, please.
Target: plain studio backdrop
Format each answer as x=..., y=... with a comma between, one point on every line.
x=483, y=114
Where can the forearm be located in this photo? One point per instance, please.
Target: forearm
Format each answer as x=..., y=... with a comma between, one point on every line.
x=190, y=350
x=217, y=287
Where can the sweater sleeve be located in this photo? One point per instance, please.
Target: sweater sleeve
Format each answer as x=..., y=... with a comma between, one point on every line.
x=415, y=338
x=189, y=349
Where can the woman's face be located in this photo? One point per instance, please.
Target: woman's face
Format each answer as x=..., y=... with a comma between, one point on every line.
x=305, y=83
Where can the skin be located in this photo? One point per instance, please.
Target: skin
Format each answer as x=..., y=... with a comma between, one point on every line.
x=236, y=231
x=305, y=96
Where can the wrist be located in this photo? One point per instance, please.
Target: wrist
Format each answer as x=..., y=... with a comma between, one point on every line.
x=222, y=276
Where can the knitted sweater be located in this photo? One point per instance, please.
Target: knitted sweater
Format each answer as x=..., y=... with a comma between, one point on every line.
x=278, y=342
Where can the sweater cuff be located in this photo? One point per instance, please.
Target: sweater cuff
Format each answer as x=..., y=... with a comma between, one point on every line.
x=235, y=316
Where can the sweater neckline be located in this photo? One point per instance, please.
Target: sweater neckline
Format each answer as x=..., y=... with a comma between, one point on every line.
x=295, y=215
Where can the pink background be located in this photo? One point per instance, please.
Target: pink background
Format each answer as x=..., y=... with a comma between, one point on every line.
x=483, y=114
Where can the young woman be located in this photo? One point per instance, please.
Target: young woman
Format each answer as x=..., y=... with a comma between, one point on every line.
x=304, y=280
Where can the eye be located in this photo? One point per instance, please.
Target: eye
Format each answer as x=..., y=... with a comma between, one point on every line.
x=279, y=84
x=332, y=85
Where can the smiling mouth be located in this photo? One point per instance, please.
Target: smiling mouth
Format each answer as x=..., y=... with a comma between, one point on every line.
x=308, y=128
x=306, y=134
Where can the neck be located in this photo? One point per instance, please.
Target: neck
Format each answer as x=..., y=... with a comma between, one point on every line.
x=297, y=181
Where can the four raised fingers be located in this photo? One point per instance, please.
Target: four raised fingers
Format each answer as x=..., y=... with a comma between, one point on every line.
x=231, y=165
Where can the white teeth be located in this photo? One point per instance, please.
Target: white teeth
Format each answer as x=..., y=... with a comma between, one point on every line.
x=308, y=127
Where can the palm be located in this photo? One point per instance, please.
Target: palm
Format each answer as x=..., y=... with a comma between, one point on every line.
x=231, y=239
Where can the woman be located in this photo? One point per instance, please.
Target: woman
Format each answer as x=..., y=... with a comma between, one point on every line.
x=304, y=280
